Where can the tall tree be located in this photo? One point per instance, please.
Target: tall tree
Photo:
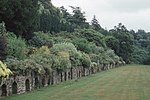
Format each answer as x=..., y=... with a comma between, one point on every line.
x=78, y=18
x=112, y=43
x=125, y=47
x=20, y=16
x=49, y=17
x=143, y=38
x=3, y=48
x=65, y=21
x=3, y=43
x=95, y=24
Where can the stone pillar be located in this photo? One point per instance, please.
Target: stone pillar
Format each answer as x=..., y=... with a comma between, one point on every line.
x=58, y=77
x=51, y=78
x=20, y=81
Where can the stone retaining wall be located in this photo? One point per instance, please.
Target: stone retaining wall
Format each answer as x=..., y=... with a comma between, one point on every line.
x=18, y=84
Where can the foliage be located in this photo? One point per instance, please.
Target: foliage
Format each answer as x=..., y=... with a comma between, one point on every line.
x=91, y=35
x=85, y=60
x=147, y=60
x=39, y=39
x=141, y=47
x=125, y=47
x=3, y=42
x=112, y=43
x=139, y=55
x=3, y=48
x=64, y=61
x=65, y=21
x=2, y=28
x=39, y=61
x=113, y=57
x=49, y=17
x=49, y=61
x=78, y=18
x=94, y=58
x=82, y=44
x=4, y=71
x=43, y=57
x=101, y=55
x=60, y=39
x=143, y=38
x=75, y=55
x=16, y=47
x=20, y=16
x=104, y=56
x=23, y=66
x=97, y=50
x=95, y=24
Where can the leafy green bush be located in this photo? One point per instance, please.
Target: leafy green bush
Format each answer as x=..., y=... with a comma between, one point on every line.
x=4, y=71
x=104, y=56
x=100, y=55
x=91, y=35
x=43, y=57
x=147, y=61
x=112, y=56
x=94, y=58
x=98, y=50
x=74, y=55
x=16, y=47
x=85, y=60
x=112, y=42
x=139, y=55
x=40, y=62
x=59, y=39
x=82, y=45
x=39, y=39
x=50, y=61
x=22, y=66
x=64, y=59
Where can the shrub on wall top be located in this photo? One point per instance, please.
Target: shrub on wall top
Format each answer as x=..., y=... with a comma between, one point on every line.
x=16, y=46
x=4, y=71
x=74, y=55
x=41, y=39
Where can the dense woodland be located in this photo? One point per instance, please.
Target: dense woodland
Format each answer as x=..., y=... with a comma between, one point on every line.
x=35, y=35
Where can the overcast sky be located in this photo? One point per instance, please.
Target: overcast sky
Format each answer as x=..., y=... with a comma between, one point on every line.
x=134, y=14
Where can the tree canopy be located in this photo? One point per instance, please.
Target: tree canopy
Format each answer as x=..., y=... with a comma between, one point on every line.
x=20, y=16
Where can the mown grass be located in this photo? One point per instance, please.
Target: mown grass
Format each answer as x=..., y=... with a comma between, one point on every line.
x=131, y=82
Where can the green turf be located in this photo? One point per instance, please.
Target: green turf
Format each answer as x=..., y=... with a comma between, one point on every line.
x=130, y=82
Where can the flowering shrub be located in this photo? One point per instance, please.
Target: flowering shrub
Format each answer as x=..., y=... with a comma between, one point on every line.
x=4, y=71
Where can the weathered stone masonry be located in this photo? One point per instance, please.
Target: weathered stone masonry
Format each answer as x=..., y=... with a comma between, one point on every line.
x=18, y=84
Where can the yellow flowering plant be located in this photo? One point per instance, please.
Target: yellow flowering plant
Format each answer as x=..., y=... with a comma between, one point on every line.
x=4, y=71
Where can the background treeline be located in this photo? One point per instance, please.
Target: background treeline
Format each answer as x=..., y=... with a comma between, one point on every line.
x=36, y=35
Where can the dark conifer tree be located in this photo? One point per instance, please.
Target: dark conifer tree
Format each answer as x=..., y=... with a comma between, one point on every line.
x=95, y=24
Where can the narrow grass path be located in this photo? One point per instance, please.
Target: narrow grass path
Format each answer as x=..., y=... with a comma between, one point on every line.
x=131, y=82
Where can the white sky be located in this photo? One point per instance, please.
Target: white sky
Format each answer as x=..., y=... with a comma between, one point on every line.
x=134, y=14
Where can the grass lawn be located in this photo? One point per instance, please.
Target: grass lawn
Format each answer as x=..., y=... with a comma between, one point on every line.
x=131, y=82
